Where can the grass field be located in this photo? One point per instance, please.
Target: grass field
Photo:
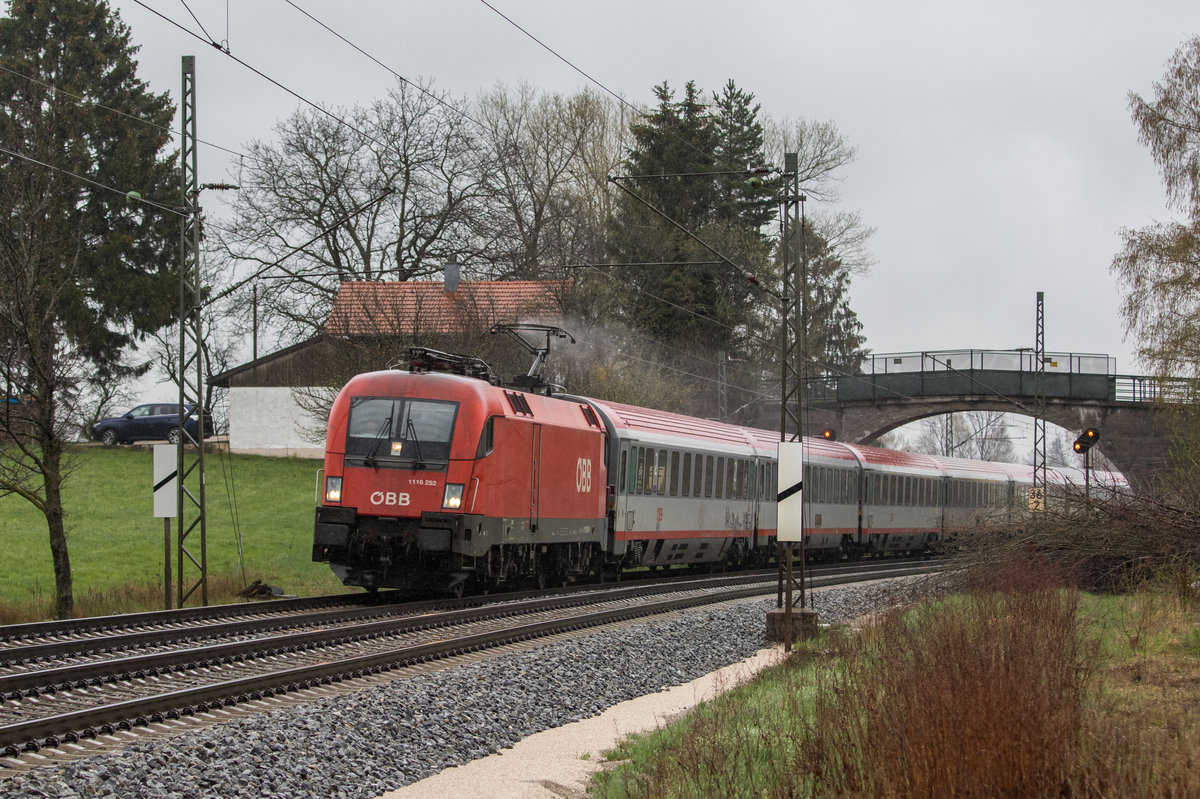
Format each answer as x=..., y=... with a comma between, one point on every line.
x=264, y=504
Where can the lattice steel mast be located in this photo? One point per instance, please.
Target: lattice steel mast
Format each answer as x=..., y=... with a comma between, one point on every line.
x=190, y=516
x=1039, y=419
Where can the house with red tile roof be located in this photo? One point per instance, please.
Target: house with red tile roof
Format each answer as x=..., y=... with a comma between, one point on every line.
x=367, y=308
x=273, y=400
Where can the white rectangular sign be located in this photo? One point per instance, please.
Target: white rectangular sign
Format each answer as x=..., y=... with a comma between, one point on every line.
x=166, y=496
x=789, y=494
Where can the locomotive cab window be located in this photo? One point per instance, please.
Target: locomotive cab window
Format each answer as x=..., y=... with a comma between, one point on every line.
x=393, y=431
x=487, y=439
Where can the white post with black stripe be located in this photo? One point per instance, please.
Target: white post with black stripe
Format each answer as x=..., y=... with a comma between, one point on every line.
x=166, y=479
x=785, y=622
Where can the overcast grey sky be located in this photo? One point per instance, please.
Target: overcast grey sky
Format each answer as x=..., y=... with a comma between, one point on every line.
x=996, y=155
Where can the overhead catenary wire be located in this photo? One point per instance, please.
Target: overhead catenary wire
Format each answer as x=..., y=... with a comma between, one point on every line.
x=440, y=100
x=316, y=106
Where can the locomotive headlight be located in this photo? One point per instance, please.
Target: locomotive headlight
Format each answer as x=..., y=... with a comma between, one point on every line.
x=453, y=496
x=396, y=447
x=333, y=489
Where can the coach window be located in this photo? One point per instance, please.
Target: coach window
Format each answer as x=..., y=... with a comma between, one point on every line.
x=730, y=478
x=708, y=476
x=719, y=490
x=622, y=481
x=698, y=477
x=639, y=470
x=686, y=480
x=661, y=486
x=674, y=474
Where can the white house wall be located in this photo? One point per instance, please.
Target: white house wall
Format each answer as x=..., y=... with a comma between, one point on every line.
x=268, y=421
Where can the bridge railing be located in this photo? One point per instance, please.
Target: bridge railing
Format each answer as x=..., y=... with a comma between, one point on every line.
x=1020, y=360
x=1004, y=373
x=1174, y=390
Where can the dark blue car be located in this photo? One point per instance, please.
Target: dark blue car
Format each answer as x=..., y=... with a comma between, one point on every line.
x=155, y=421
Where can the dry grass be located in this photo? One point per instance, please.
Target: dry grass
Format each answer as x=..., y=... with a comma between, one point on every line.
x=976, y=696
x=130, y=598
x=1013, y=687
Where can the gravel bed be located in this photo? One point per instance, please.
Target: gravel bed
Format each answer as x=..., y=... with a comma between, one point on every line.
x=381, y=738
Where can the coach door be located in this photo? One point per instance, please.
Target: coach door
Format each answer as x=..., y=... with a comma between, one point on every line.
x=535, y=477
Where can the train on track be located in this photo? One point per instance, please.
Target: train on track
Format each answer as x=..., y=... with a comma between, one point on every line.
x=437, y=480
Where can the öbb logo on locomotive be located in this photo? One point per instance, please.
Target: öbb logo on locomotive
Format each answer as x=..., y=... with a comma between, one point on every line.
x=583, y=475
x=389, y=498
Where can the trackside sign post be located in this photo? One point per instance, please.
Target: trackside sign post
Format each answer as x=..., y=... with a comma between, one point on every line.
x=166, y=504
x=790, y=492
x=786, y=621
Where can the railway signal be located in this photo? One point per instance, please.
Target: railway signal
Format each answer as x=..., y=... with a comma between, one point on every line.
x=1086, y=439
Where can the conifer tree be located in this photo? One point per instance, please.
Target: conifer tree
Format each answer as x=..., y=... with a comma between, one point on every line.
x=88, y=235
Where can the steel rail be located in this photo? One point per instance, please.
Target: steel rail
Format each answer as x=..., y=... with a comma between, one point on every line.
x=18, y=653
x=31, y=734
x=81, y=723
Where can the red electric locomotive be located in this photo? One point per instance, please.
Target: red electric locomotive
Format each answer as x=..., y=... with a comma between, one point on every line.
x=434, y=479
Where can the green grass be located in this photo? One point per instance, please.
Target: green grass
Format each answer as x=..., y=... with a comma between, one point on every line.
x=116, y=544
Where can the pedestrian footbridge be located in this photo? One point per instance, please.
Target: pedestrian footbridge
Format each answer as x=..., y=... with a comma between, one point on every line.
x=1080, y=390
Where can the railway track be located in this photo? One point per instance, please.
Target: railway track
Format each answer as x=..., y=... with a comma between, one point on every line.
x=61, y=684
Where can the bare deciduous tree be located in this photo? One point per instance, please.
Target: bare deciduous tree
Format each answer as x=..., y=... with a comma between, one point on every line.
x=391, y=195
x=1158, y=267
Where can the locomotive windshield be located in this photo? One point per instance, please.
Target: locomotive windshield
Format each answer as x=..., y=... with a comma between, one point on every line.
x=392, y=431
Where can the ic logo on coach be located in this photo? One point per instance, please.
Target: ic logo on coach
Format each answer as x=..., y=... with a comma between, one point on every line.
x=389, y=498
x=583, y=475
